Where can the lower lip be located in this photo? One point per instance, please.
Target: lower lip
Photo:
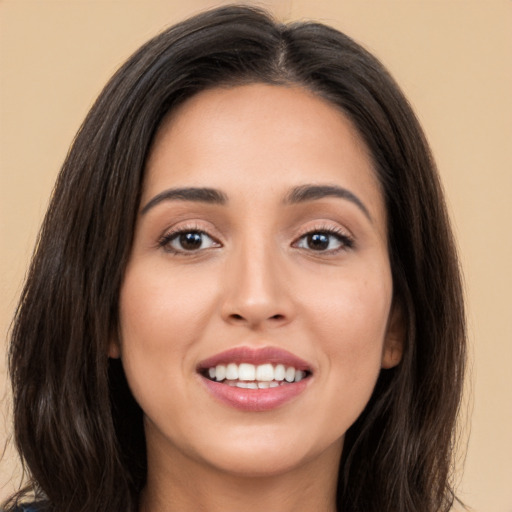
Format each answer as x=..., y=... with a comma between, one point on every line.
x=255, y=400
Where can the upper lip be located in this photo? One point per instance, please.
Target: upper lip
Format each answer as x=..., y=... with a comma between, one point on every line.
x=255, y=356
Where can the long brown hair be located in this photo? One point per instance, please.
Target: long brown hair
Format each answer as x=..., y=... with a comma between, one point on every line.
x=77, y=427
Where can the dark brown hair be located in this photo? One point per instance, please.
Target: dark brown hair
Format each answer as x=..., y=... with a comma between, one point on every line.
x=77, y=427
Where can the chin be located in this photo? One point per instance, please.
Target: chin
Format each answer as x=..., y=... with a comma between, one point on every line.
x=258, y=463
x=268, y=455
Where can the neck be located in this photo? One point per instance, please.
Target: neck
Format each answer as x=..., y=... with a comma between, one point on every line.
x=191, y=486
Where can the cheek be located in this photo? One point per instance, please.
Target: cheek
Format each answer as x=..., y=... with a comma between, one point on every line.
x=352, y=310
x=161, y=316
x=158, y=306
x=345, y=317
x=349, y=319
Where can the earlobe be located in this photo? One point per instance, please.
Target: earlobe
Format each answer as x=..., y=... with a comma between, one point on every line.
x=114, y=344
x=114, y=349
x=395, y=338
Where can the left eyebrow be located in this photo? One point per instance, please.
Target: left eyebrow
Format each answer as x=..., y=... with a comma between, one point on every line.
x=313, y=192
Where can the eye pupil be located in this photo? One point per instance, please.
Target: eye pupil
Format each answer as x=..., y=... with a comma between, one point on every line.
x=318, y=241
x=191, y=240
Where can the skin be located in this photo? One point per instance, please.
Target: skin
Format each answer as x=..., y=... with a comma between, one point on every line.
x=254, y=281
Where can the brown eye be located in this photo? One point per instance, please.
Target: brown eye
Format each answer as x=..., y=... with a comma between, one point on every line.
x=188, y=241
x=317, y=241
x=324, y=241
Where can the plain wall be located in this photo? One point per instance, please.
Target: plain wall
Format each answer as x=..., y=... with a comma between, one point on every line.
x=453, y=60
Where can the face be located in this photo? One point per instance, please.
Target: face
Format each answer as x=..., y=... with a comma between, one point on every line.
x=256, y=309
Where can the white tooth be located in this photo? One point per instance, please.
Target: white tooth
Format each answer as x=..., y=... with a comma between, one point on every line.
x=244, y=385
x=265, y=372
x=232, y=371
x=289, y=375
x=299, y=375
x=220, y=372
x=273, y=384
x=263, y=385
x=246, y=372
x=252, y=385
x=279, y=372
x=211, y=372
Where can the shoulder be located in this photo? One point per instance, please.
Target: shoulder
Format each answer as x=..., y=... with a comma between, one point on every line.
x=17, y=504
x=28, y=507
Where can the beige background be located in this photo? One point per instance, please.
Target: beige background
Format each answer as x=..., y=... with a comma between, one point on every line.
x=452, y=58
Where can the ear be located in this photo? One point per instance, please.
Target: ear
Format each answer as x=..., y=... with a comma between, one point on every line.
x=114, y=346
x=395, y=338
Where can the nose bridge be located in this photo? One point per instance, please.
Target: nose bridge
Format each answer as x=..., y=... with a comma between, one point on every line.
x=256, y=292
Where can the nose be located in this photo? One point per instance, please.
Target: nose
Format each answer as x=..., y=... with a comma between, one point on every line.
x=256, y=293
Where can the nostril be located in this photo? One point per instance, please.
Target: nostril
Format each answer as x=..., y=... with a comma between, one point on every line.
x=237, y=317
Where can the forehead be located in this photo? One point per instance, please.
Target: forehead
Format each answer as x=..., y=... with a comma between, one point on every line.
x=267, y=137
x=260, y=109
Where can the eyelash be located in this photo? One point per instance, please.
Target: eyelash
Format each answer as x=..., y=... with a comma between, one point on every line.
x=346, y=241
x=165, y=241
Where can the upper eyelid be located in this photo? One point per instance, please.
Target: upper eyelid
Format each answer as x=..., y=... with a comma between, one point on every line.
x=165, y=242
x=332, y=232
x=325, y=226
x=332, y=228
x=170, y=232
x=191, y=225
x=206, y=227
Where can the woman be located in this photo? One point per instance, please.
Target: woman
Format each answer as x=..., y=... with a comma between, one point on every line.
x=245, y=294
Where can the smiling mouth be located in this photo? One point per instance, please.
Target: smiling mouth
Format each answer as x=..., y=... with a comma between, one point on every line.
x=250, y=376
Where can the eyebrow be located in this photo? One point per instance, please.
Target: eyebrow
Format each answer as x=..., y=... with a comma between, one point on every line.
x=313, y=192
x=299, y=194
x=202, y=195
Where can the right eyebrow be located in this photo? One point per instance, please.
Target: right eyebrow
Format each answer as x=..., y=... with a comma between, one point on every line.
x=197, y=194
